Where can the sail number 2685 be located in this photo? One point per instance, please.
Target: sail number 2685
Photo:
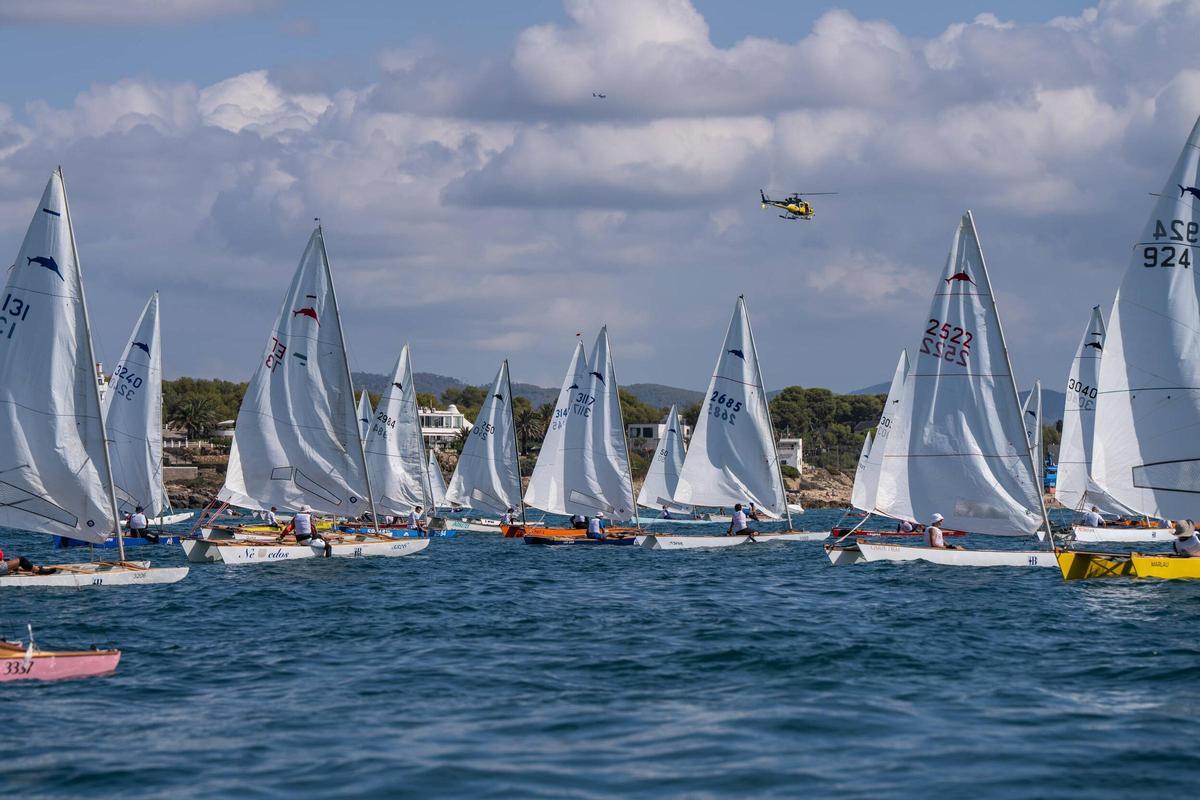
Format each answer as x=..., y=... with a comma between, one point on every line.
x=949, y=342
x=1169, y=255
x=724, y=407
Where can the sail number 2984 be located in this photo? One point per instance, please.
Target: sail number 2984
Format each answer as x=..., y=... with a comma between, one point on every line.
x=1170, y=255
x=948, y=342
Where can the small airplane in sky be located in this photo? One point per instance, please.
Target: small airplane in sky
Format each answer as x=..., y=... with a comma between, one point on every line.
x=599, y=95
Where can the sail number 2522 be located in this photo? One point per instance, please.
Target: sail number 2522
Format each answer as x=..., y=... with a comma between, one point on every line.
x=948, y=342
x=1169, y=255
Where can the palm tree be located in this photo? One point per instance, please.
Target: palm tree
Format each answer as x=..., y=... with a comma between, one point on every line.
x=195, y=415
x=530, y=425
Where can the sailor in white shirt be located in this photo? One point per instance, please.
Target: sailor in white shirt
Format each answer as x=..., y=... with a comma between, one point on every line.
x=1187, y=544
x=933, y=534
x=138, y=526
x=739, y=526
x=272, y=520
x=595, y=526
x=415, y=523
x=507, y=519
x=1092, y=519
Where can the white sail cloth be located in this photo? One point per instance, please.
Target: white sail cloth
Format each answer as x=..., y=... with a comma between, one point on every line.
x=364, y=413
x=869, y=476
x=1031, y=415
x=662, y=477
x=395, y=447
x=437, y=484
x=133, y=418
x=553, y=472
x=960, y=449
x=54, y=475
x=297, y=442
x=487, y=474
x=1074, y=485
x=862, y=494
x=732, y=457
x=1147, y=447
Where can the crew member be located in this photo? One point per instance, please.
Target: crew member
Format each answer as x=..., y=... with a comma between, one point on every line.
x=138, y=526
x=18, y=564
x=415, y=521
x=272, y=520
x=595, y=526
x=666, y=512
x=507, y=519
x=904, y=526
x=738, y=526
x=933, y=534
x=1092, y=519
x=752, y=513
x=1187, y=544
x=579, y=522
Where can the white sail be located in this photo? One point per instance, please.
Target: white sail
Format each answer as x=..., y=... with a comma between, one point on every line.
x=487, y=474
x=1147, y=447
x=133, y=418
x=54, y=476
x=862, y=494
x=662, y=477
x=437, y=484
x=732, y=457
x=297, y=440
x=364, y=413
x=883, y=430
x=395, y=448
x=547, y=488
x=960, y=448
x=1075, y=485
x=1031, y=415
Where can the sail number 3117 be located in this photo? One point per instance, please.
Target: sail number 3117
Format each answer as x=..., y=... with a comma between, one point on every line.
x=948, y=342
x=1169, y=255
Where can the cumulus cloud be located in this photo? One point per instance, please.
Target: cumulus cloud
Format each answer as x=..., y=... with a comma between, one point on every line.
x=490, y=207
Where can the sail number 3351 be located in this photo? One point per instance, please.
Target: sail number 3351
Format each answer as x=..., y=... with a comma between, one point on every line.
x=948, y=342
x=1169, y=255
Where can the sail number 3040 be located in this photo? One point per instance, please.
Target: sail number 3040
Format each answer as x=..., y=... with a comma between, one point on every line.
x=1169, y=255
x=948, y=342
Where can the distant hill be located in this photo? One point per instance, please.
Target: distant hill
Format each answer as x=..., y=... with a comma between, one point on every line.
x=654, y=394
x=1053, y=402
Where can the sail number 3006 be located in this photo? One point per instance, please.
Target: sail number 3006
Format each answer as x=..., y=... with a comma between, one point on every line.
x=948, y=342
x=1169, y=255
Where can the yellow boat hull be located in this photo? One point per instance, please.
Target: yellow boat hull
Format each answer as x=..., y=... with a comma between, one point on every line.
x=1080, y=566
x=1166, y=567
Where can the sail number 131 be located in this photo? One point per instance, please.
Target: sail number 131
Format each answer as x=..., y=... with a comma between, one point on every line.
x=1169, y=255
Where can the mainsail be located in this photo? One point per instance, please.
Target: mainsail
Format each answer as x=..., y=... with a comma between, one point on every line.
x=547, y=488
x=869, y=477
x=297, y=441
x=395, y=447
x=487, y=474
x=732, y=457
x=364, y=413
x=54, y=472
x=662, y=477
x=1031, y=415
x=960, y=447
x=1075, y=486
x=1147, y=438
x=133, y=418
x=862, y=495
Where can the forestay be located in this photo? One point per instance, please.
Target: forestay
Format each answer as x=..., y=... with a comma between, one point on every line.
x=960, y=449
x=297, y=441
x=547, y=487
x=1031, y=415
x=1147, y=445
x=662, y=477
x=732, y=457
x=133, y=418
x=487, y=474
x=395, y=447
x=888, y=420
x=1075, y=485
x=54, y=476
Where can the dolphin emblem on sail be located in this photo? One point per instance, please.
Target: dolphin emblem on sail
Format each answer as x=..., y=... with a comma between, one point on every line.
x=48, y=262
x=306, y=311
x=1192, y=190
x=1096, y=345
x=598, y=376
x=960, y=276
x=398, y=385
x=499, y=397
x=142, y=346
x=737, y=353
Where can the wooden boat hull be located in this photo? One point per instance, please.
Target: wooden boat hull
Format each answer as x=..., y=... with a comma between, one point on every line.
x=48, y=665
x=1077, y=565
x=558, y=541
x=843, y=555
x=63, y=543
x=1166, y=567
x=877, y=551
x=104, y=573
x=238, y=552
x=1084, y=533
x=663, y=541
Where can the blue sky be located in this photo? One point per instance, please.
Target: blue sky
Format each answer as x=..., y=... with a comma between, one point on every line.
x=479, y=203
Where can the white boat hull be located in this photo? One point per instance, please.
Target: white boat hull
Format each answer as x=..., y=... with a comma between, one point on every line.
x=78, y=576
x=873, y=552
x=844, y=555
x=201, y=551
x=661, y=541
x=166, y=519
x=1084, y=533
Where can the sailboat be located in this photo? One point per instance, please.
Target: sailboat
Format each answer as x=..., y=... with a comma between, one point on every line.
x=1031, y=415
x=395, y=446
x=437, y=483
x=732, y=458
x=298, y=443
x=487, y=477
x=662, y=477
x=57, y=474
x=1146, y=447
x=1076, y=488
x=583, y=467
x=28, y=662
x=960, y=448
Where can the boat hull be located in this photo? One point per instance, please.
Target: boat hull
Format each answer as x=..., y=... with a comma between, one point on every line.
x=206, y=551
x=1077, y=565
x=559, y=541
x=78, y=576
x=1166, y=567
x=167, y=519
x=57, y=666
x=662, y=541
x=843, y=555
x=874, y=551
x=1084, y=533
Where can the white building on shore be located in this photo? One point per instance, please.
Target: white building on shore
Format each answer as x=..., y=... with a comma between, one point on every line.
x=440, y=428
x=791, y=452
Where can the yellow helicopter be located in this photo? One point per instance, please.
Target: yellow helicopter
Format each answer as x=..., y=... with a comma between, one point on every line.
x=794, y=206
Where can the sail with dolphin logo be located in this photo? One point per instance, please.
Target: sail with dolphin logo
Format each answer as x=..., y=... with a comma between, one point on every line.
x=487, y=475
x=662, y=477
x=395, y=446
x=553, y=472
x=866, y=480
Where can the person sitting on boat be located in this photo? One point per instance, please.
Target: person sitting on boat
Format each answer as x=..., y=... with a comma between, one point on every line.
x=17, y=564
x=904, y=526
x=934, y=536
x=1092, y=519
x=272, y=520
x=415, y=520
x=138, y=526
x=1187, y=544
x=579, y=522
x=752, y=513
x=507, y=519
x=595, y=526
x=666, y=512
x=738, y=526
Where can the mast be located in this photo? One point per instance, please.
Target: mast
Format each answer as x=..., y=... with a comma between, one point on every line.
x=637, y=521
x=362, y=453
x=512, y=416
x=87, y=324
x=770, y=424
x=987, y=278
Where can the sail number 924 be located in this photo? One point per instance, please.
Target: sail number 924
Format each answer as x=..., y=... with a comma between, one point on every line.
x=948, y=342
x=1169, y=255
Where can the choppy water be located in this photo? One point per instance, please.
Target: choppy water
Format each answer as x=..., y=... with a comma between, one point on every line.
x=487, y=668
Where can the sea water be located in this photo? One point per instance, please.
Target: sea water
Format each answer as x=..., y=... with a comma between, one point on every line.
x=484, y=667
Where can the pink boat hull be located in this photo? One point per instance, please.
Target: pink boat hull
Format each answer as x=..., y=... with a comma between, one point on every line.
x=47, y=666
